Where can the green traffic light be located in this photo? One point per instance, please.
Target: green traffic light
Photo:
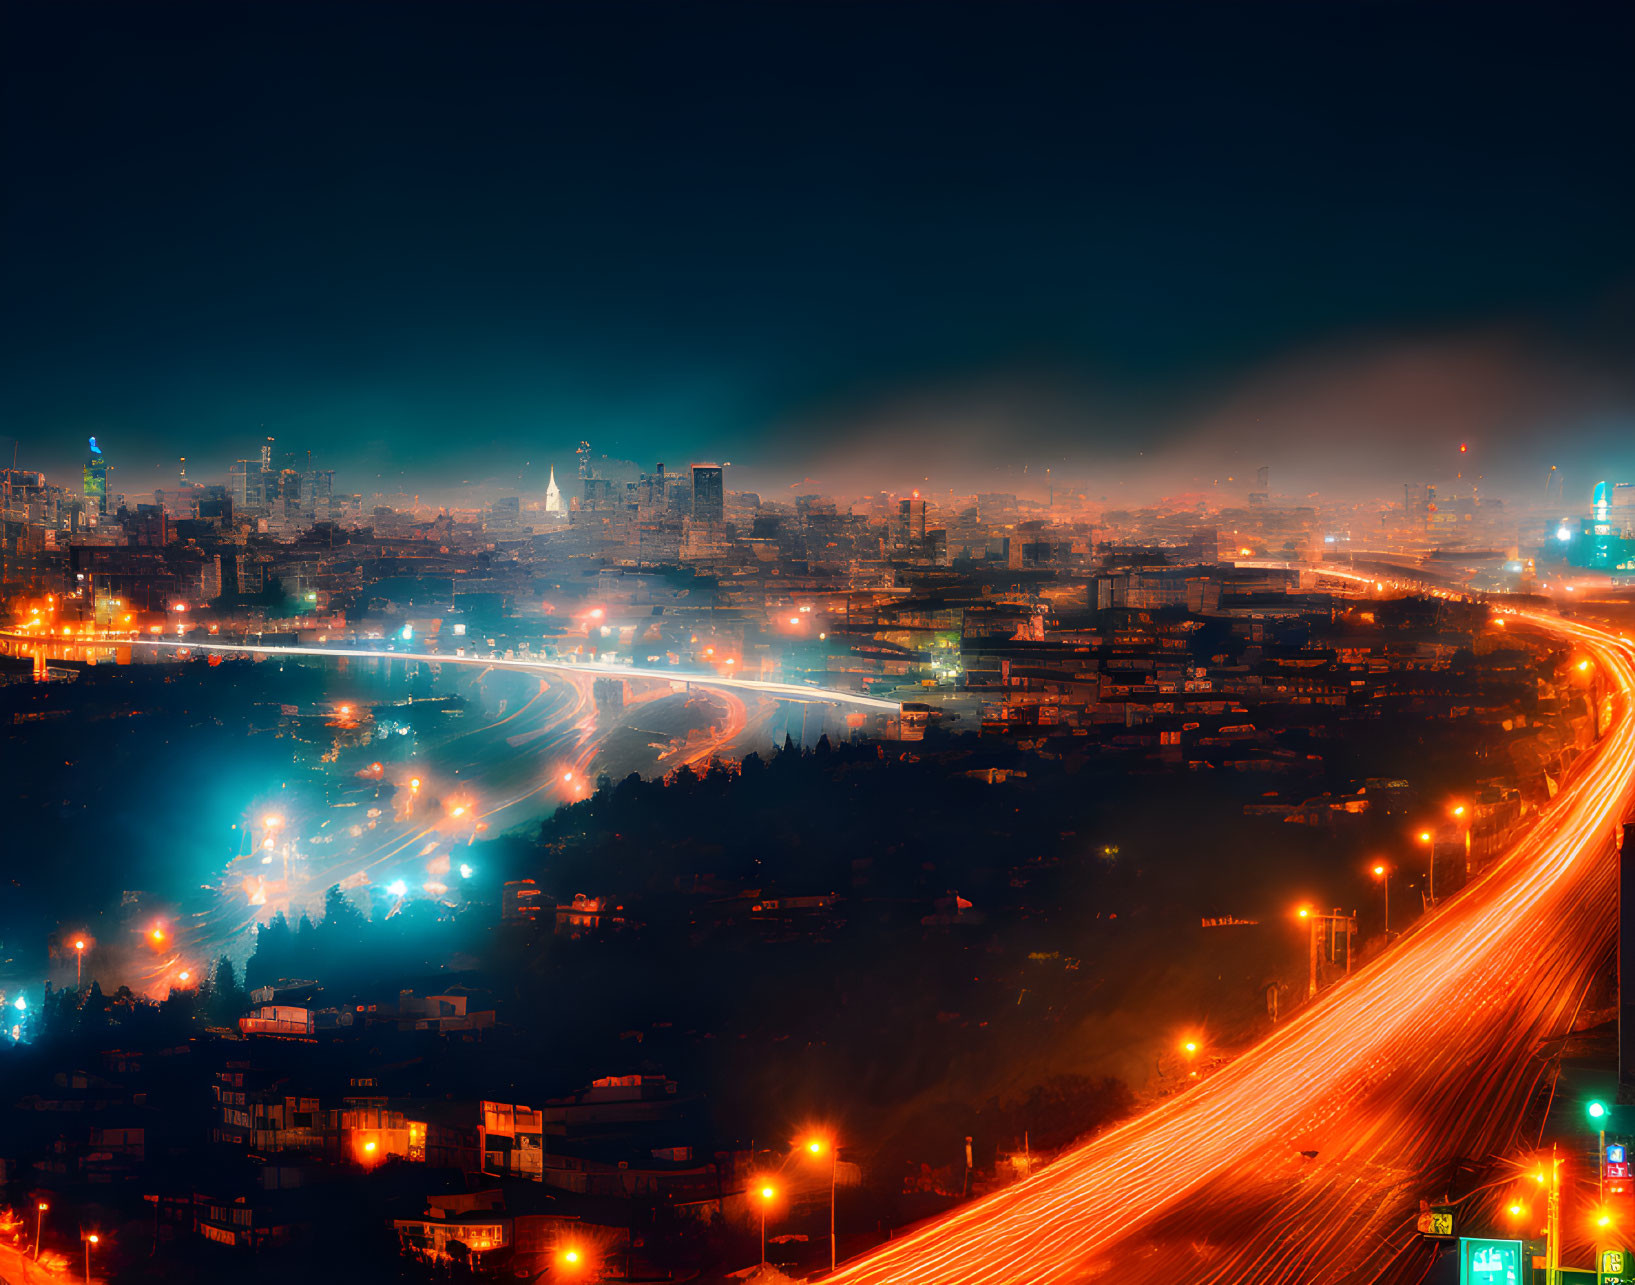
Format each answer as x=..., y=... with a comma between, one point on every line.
x=1597, y=1110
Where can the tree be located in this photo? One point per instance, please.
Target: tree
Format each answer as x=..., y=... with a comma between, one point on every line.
x=227, y=997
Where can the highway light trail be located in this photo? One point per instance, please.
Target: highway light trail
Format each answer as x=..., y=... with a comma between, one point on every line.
x=798, y=691
x=1420, y=1057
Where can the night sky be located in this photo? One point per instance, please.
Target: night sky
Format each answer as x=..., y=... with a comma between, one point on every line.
x=866, y=244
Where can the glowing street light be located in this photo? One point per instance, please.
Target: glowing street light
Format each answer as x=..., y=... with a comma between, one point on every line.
x=1382, y=872
x=90, y=1240
x=79, y=960
x=815, y=1147
x=272, y=820
x=572, y=1260
x=766, y=1193
x=1597, y=1112
x=1427, y=838
x=39, y=1225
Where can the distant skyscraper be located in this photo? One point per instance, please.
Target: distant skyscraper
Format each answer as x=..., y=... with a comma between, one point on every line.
x=96, y=478
x=912, y=514
x=709, y=498
x=553, y=495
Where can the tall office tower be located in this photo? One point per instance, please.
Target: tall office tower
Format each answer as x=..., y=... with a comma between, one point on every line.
x=709, y=499
x=317, y=494
x=96, y=478
x=911, y=516
x=553, y=495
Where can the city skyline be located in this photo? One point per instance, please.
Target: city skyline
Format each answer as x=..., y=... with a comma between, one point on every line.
x=885, y=643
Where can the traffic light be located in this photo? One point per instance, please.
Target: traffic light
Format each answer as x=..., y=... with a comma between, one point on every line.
x=1597, y=1111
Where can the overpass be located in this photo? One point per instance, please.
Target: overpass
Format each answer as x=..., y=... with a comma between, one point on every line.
x=787, y=691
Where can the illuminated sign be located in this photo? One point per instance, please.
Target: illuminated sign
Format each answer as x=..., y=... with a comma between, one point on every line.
x=1437, y=1221
x=1615, y=1267
x=1617, y=1169
x=1615, y=1153
x=1490, y=1262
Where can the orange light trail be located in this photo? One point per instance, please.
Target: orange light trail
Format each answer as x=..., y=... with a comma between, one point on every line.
x=1423, y=1055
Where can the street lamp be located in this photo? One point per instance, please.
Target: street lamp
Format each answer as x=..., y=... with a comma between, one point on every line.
x=1426, y=837
x=79, y=961
x=39, y=1226
x=1382, y=872
x=766, y=1194
x=1597, y=1112
x=816, y=1147
x=90, y=1240
x=572, y=1260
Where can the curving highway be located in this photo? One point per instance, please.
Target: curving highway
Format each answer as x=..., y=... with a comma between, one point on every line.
x=1304, y=1160
x=796, y=691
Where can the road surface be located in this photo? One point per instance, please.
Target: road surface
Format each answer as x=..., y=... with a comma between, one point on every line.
x=793, y=691
x=1303, y=1161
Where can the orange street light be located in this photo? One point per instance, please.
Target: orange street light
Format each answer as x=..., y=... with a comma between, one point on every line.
x=1424, y=836
x=1382, y=872
x=272, y=820
x=816, y=1147
x=90, y=1240
x=1303, y=913
x=572, y=1259
x=39, y=1224
x=766, y=1194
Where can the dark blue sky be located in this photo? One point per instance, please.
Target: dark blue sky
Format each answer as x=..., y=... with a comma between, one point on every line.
x=817, y=240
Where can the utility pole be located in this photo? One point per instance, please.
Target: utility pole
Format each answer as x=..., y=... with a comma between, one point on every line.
x=1552, y=1225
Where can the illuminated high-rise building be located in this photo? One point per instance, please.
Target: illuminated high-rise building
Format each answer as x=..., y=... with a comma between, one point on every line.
x=96, y=478
x=553, y=495
x=709, y=496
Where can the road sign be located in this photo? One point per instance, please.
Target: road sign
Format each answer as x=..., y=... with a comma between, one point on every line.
x=1616, y=1154
x=1489, y=1262
x=1437, y=1221
x=1615, y=1267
